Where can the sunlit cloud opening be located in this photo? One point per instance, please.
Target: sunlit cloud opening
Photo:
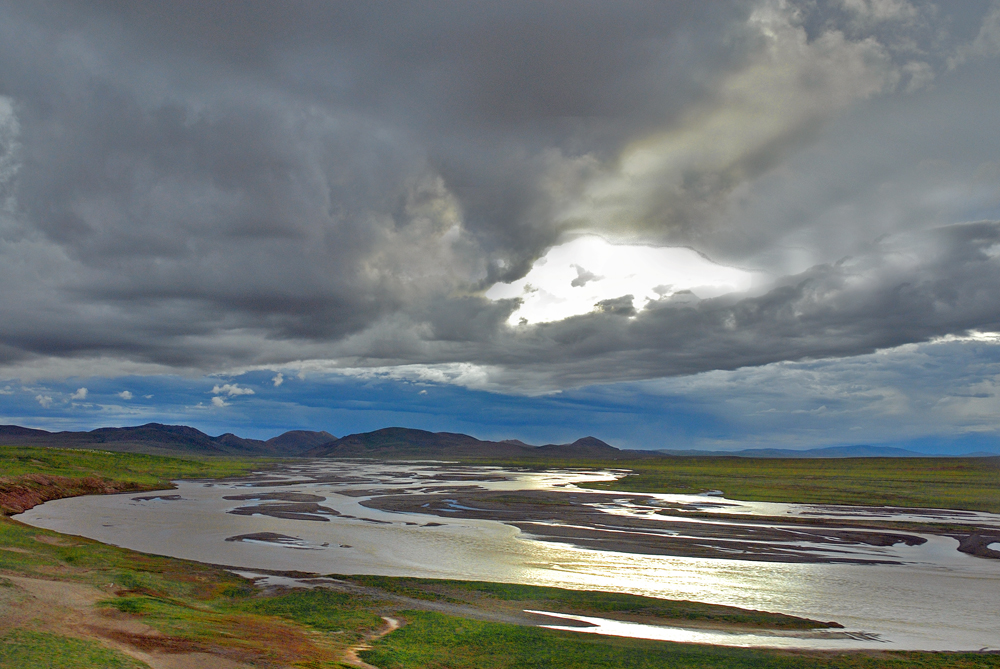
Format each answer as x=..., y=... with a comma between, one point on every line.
x=591, y=274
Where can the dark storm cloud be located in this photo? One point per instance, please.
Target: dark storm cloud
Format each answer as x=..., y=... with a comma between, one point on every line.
x=215, y=185
x=200, y=168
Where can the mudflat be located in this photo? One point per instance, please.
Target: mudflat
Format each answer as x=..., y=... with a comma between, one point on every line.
x=653, y=528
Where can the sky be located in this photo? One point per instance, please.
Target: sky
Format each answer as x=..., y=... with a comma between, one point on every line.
x=725, y=225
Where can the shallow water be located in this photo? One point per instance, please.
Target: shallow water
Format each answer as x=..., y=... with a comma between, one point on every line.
x=817, y=639
x=936, y=599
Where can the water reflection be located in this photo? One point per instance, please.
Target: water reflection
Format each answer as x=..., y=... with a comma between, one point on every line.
x=817, y=639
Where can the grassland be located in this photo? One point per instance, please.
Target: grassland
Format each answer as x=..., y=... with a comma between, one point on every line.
x=132, y=467
x=514, y=597
x=23, y=648
x=73, y=602
x=435, y=640
x=971, y=484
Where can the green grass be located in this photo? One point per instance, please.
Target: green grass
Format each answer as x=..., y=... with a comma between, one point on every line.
x=436, y=641
x=582, y=602
x=971, y=484
x=321, y=610
x=146, y=470
x=23, y=649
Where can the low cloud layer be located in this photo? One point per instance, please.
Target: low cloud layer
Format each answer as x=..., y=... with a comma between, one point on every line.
x=937, y=397
x=208, y=187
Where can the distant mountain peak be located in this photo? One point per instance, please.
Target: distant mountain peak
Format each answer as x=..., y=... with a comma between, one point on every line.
x=161, y=438
x=592, y=442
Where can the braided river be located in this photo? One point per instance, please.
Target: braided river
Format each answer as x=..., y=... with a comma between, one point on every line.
x=891, y=589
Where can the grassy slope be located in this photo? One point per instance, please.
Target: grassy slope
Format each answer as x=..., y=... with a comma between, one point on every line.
x=137, y=468
x=196, y=607
x=950, y=483
x=199, y=607
x=22, y=648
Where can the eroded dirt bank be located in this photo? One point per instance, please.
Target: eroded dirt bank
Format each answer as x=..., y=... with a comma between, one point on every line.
x=20, y=493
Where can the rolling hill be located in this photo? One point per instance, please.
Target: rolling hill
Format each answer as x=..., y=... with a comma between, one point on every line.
x=166, y=439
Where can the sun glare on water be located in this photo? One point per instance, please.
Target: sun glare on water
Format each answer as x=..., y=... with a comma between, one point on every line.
x=591, y=274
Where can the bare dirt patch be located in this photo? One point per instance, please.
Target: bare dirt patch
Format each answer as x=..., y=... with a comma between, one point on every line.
x=70, y=609
x=56, y=541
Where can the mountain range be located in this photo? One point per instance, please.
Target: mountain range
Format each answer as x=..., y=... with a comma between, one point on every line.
x=401, y=442
x=167, y=439
x=389, y=443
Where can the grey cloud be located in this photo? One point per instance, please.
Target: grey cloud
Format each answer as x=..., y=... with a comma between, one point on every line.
x=213, y=185
x=618, y=306
x=200, y=173
x=907, y=288
x=583, y=277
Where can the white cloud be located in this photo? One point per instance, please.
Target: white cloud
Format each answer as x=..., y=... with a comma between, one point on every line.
x=125, y=395
x=6, y=390
x=44, y=400
x=468, y=375
x=574, y=278
x=80, y=394
x=278, y=379
x=219, y=402
x=232, y=390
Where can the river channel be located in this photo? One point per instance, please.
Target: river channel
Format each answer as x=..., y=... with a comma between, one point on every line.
x=892, y=590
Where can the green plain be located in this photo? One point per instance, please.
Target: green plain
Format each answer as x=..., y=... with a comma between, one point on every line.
x=972, y=484
x=145, y=470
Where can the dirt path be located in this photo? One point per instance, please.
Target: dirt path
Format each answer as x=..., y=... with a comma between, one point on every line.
x=351, y=655
x=69, y=608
